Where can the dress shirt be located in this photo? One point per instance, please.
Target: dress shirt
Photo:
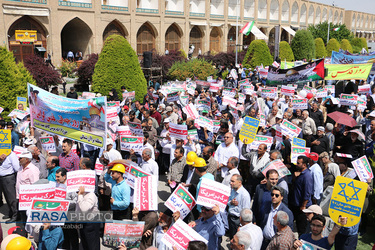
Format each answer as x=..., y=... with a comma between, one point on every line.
x=223, y=153
x=303, y=190
x=268, y=230
x=27, y=176
x=87, y=203
x=187, y=148
x=120, y=193
x=308, y=126
x=10, y=165
x=41, y=164
x=113, y=154
x=282, y=240
x=256, y=235
x=165, y=143
x=317, y=174
x=243, y=197
x=69, y=161
x=228, y=176
x=190, y=176
x=151, y=167
x=211, y=230
x=177, y=169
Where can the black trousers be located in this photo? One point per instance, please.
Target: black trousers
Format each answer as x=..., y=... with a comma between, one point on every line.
x=301, y=221
x=90, y=236
x=8, y=185
x=346, y=242
x=70, y=236
x=234, y=223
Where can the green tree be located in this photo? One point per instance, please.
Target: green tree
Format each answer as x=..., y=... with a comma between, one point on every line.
x=198, y=68
x=286, y=52
x=117, y=66
x=13, y=81
x=364, y=43
x=356, y=44
x=345, y=45
x=257, y=54
x=320, y=49
x=333, y=45
x=303, y=45
x=321, y=30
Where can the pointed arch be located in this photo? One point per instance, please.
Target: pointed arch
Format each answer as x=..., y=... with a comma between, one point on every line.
x=173, y=37
x=317, y=15
x=274, y=10
x=285, y=11
x=114, y=27
x=145, y=38
x=303, y=14
x=195, y=38
x=262, y=9
x=215, y=39
x=231, y=39
x=295, y=11
x=324, y=16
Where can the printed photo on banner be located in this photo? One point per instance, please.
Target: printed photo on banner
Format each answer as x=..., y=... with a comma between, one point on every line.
x=21, y=103
x=126, y=232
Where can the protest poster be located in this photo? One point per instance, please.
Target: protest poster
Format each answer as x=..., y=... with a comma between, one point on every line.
x=298, y=142
x=18, y=150
x=79, y=178
x=191, y=111
x=231, y=92
x=53, y=211
x=348, y=197
x=190, y=89
x=243, y=82
x=98, y=167
x=5, y=141
x=309, y=89
x=112, y=115
x=348, y=100
x=279, y=134
x=123, y=130
x=113, y=104
x=203, y=105
x=229, y=101
x=173, y=97
x=241, y=98
x=135, y=128
x=180, y=200
x=289, y=129
x=249, y=129
x=342, y=58
x=88, y=95
x=20, y=114
x=363, y=168
x=133, y=172
x=127, y=232
x=279, y=166
x=180, y=234
x=364, y=89
x=287, y=90
x=28, y=192
x=216, y=124
x=297, y=151
x=262, y=139
x=330, y=88
x=263, y=72
x=348, y=71
x=309, y=246
x=213, y=193
x=146, y=193
x=205, y=122
x=193, y=134
x=184, y=99
x=80, y=120
x=313, y=71
x=269, y=93
x=204, y=84
x=21, y=101
x=362, y=105
x=128, y=143
x=178, y=131
x=248, y=89
x=48, y=144
x=129, y=95
x=299, y=103
x=262, y=118
x=214, y=87
x=321, y=93
x=60, y=192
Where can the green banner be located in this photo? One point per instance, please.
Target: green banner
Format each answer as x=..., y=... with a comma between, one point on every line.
x=348, y=71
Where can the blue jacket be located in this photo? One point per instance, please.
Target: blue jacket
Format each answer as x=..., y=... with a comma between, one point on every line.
x=15, y=139
x=120, y=193
x=267, y=210
x=51, y=238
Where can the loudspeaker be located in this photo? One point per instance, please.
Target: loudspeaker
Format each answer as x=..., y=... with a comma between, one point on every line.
x=147, y=59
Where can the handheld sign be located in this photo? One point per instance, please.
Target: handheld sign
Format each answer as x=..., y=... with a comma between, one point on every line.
x=22, y=101
x=249, y=129
x=48, y=144
x=363, y=168
x=181, y=200
x=299, y=142
x=348, y=197
x=5, y=141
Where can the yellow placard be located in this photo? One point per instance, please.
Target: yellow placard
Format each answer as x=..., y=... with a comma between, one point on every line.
x=5, y=141
x=249, y=130
x=23, y=101
x=26, y=35
x=347, y=200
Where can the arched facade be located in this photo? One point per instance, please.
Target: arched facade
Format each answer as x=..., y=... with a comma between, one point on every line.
x=295, y=12
x=274, y=10
x=262, y=9
x=317, y=15
x=215, y=40
x=145, y=39
x=195, y=38
x=173, y=38
x=114, y=27
x=303, y=14
x=231, y=42
x=285, y=10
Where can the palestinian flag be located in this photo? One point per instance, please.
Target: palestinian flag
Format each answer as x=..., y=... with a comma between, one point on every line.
x=336, y=29
x=247, y=28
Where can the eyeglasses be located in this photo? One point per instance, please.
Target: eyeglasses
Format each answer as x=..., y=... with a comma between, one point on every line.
x=318, y=226
x=277, y=195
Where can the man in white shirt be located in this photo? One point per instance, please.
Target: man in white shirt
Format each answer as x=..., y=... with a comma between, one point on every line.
x=226, y=150
x=111, y=154
x=149, y=165
x=166, y=144
x=146, y=144
x=232, y=169
x=246, y=218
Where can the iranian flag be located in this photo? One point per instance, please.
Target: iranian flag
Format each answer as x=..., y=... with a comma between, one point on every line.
x=247, y=28
x=336, y=29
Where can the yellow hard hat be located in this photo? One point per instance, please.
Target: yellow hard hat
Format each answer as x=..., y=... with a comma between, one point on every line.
x=199, y=162
x=19, y=243
x=118, y=168
x=191, y=157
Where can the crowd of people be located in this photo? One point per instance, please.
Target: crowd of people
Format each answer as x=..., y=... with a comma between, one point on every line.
x=264, y=211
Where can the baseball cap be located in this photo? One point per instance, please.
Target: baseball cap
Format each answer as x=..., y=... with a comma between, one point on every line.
x=350, y=111
x=313, y=156
x=126, y=107
x=168, y=109
x=25, y=154
x=313, y=209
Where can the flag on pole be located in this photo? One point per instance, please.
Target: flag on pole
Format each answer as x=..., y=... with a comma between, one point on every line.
x=336, y=29
x=247, y=28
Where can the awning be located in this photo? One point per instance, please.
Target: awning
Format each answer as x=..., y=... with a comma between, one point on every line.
x=289, y=30
x=258, y=34
x=17, y=10
x=216, y=24
x=198, y=23
x=235, y=24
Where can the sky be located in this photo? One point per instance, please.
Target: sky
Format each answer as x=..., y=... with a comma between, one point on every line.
x=367, y=6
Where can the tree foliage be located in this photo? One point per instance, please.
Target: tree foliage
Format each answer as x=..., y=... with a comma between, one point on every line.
x=303, y=45
x=13, y=81
x=86, y=70
x=321, y=30
x=198, y=68
x=43, y=73
x=333, y=45
x=320, y=49
x=166, y=61
x=118, y=66
x=345, y=45
x=364, y=43
x=286, y=52
x=356, y=44
x=257, y=54
x=225, y=59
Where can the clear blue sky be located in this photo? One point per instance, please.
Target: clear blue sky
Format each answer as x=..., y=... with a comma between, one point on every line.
x=367, y=6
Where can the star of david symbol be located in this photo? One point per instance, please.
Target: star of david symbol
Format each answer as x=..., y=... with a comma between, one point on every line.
x=5, y=136
x=355, y=189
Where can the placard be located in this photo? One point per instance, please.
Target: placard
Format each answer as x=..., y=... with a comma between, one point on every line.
x=112, y=115
x=48, y=144
x=178, y=131
x=5, y=141
x=135, y=128
x=123, y=231
x=287, y=90
x=214, y=87
x=190, y=89
x=241, y=98
x=23, y=101
x=191, y=111
x=53, y=211
x=248, y=89
x=213, y=193
x=146, y=193
x=20, y=114
x=216, y=124
x=348, y=100
x=123, y=130
x=203, y=105
x=28, y=192
x=269, y=92
x=229, y=101
x=181, y=200
x=289, y=129
x=298, y=142
x=205, y=122
x=173, y=97
x=249, y=129
x=262, y=139
x=279, y=166
x=193, y=134
x=98, y=167
x=60, y=192
x=88, y=95
x=297, y=151
x=230, y=92
x=133, y=172
x=79, y=178
x=129, y=95
x=321, y=93
x=128, y=143
x=364, y=89
x=363, y=168
x=299, y=104
x=330, y=88
x=362, y=105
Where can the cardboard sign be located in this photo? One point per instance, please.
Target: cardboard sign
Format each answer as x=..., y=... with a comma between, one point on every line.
x=29, y=192
x=180, y=234
x=98, y=167
x=23, y=101
x=193, y=135
x=127, y=232
x=230, y=92
x=128, y=143
x=135, y=128
x=249, y=129
x=133, y=172
x=20, y=114
x=299, y=103
x=279, y=134
x=243, y=82
x=78, y=178
x=287, y=90
x=213, y=193
x=330, y=88
x=60, y=192
x=289, y=129
x=364, y=89
x=1, y=110
x=229, y=101
x=216, y=124
x=279, y=166
x=297, y=151
x=348, y=197
x=261, y=139
x=363, y=168
x=205, y=122
x=248, y=89
x=309, y=246
x=298, y=142
x=203, y=105
x=178, y=131
x=348, y=100
x=123, y=130
x=112, y=115
x=180, y=200
x=362, y=105
x=48, y=210
x=241, y=98
x=129, y=95
x=5, y=141
x=191, y=111
x=173, y=97
x=214, y=87
x=146, y=193
x=269, y=92
x=48, y=144
x=190, y=89
x=321, y=93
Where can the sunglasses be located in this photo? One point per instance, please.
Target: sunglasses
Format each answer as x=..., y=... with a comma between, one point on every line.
x=277, y=195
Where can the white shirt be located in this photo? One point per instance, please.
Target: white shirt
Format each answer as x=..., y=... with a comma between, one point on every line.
x=151, y=167
x=259, y=164
x=255, y=234
x=148, y=145
x=229, y=175
x=165, y=143
x=223, y=153
x=113, y=154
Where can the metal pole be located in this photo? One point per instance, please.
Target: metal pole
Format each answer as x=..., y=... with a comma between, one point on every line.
x=328, y=32
x=236, y=32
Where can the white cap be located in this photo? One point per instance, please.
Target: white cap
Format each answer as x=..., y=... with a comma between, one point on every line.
x=109, y=141
x=25, y=154
x=166, y=120
x=29, y=141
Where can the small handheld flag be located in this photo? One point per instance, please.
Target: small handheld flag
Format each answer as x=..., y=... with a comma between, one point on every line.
x=336, y=29
x=247, y=28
